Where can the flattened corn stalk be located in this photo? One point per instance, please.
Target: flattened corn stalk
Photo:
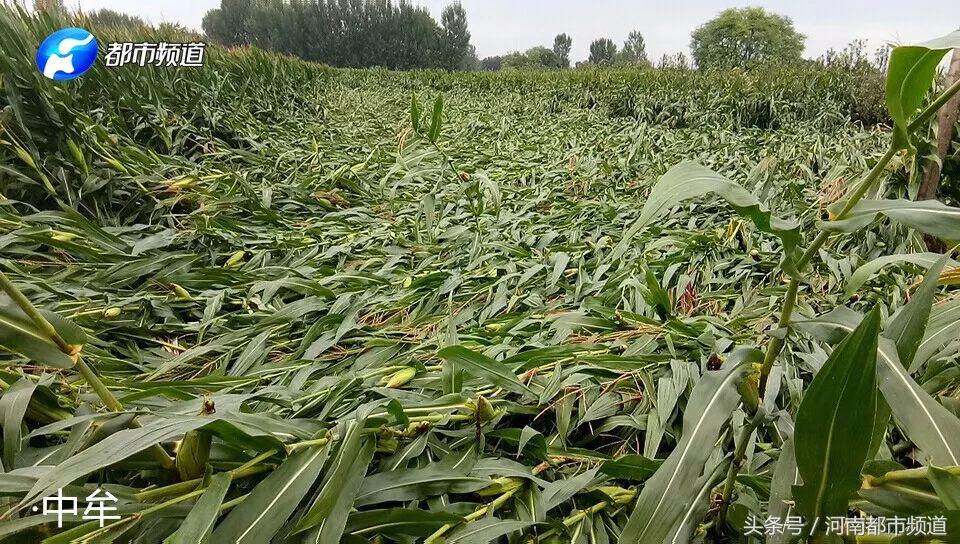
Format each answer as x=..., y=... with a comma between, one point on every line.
x=108, y=399
x=790, y=297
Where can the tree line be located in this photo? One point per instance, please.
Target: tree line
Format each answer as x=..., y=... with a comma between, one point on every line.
x=347, y=33
x=399, y=35
x=736, y=38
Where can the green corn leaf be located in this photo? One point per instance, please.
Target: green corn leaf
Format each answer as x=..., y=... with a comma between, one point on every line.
x=933, y=428
x=905, y=330
x=785, y=476
x=335, y=478
x=253, y=354
x=415, y=112
x=943, y=327
x=866, y=271
x=418, y=483
x=946, y=485
x=910, y=74
x=689, y=180
x=269, y=505
x=13, y=406
x=657, y=296
x=485, y=531
x=529, y=441
x=831, y=327
x=560, y=491
x=198, y=524
x=529, y=505
x=667, y=495
x=927, y=216
x=693, y=513
x=482, y=366
x=19, y=334
x=112, y=449
x=835, y=424
x=128, y=442
x=905, y=498
x=907, y=327
x=398, y=522
x=630, y=467
x=331, y=528
x=436, y=120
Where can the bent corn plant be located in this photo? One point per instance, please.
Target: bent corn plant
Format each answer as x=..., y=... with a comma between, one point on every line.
x=268, y=301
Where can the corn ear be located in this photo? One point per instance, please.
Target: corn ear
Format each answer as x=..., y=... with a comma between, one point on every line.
x=400, y=377
x=193, y=454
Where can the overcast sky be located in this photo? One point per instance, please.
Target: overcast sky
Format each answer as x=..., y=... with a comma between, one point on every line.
x=499, y=26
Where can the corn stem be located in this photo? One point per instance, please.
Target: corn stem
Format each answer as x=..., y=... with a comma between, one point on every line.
x=88, y=374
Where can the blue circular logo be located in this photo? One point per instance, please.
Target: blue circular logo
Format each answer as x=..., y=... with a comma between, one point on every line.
x=67, y=53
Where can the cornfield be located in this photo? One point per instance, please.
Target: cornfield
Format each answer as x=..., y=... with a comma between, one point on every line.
x=270, y=301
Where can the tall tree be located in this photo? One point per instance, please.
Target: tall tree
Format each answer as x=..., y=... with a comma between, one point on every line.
x=741, y=38
x=561, y=49
x=602, y=51
x=676, y=61
x=535, y=57
x=470, y=61
x=491, y=64
x=634, y=50
x=455, y=41
x=356, y=33
x=228, y=24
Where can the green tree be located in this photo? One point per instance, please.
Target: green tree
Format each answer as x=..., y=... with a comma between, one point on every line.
x=470, y=61
x=741, y=38
x=602, y=51
x=271, y=26
x=561, y=49
x=634, y=50
x=852, y=57
x=677, y=61
x=455, y=40
x=491, y=64
x=355, y=33
x=535, y=57
x=413, y=39
x=228, y=24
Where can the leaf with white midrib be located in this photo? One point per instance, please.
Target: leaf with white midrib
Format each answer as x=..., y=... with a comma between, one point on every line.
x=896, y=384
x=942, y=450
x=869, y=269
x=696, y=509
x=950, y=453
x=110, y=450
x=332, y=526
x=485, y=530
x=842, y=395
x=198, y=523
x=928, y=216
x=334, y=478
x=482, y=366
x=671, y=489
x=689, y=180
x=269, y=505
x=394, y=520
x=407, y=485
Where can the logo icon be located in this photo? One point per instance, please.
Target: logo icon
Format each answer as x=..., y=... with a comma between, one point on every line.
x=67, y=53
